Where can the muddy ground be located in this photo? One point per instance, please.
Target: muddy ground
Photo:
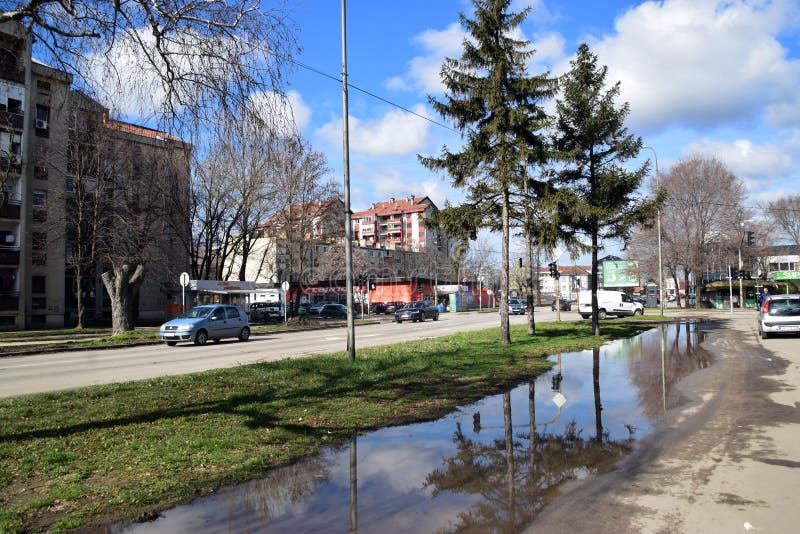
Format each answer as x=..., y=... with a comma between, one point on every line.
x=728, y=461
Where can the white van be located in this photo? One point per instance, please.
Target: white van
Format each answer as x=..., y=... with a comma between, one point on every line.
x=614, y=303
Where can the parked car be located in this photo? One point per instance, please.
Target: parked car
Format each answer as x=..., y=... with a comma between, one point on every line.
x=201, y=323
x=566, y=305
x=640, y=299
x=333, y=311
x=418, y=310
x=779, y=314
x=614, y=303
x=392, y=307
x=517, y=306
x=265, y=312
x=317, y=307
x=377, y=307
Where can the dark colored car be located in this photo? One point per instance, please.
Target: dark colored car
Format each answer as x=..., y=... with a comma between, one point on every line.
x=261, y=312
x=779, y=314
x=333, y=311
x=317, y=307
x=640, y=299
x=566, y=305
x=392, y=307
x=377, y=307
x=419, y=310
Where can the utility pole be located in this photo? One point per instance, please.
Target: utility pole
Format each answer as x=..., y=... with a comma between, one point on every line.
x=348, y=228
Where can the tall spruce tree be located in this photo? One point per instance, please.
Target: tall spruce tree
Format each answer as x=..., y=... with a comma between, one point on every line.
x=498, y=108
x=599, y=195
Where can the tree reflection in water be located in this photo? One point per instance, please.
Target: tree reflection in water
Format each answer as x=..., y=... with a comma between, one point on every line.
x=518, y=477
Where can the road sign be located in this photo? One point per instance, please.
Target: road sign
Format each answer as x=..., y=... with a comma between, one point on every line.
x=184, y=279
x=285, y=286
x=559, y=400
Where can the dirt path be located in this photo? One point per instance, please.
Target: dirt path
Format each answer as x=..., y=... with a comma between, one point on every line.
x=729, y=461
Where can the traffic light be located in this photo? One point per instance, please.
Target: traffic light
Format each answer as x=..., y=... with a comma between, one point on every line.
x=751, y=239
x=419, y=290
x=554, y=270
x=741, y=274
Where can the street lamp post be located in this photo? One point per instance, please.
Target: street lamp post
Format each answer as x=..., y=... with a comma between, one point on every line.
x=658, y=230
x=480, y=293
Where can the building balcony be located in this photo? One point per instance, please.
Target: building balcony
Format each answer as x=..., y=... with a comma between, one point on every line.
x=9, y=301
x=9, y=256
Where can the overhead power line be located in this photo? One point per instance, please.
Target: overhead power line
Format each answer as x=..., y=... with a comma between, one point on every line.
x=369, y=93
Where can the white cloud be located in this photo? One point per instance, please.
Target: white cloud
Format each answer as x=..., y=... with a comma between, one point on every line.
x=395, y=134
x=703, y=62
x=424, y=71
x=751, y=162
x=392, y=183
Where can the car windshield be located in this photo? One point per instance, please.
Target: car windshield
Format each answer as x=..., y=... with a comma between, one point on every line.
x=198, y=311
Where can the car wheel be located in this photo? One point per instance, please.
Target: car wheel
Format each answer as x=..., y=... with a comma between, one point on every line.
x=399, y=321
x=585, y=316
x=601, y=314
x=636, y=312
x=764, y=335
x=244, y=335
x=172, y=343
x=421, y=317
x=201, y=338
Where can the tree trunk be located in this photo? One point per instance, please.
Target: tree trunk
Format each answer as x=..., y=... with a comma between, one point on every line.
x=595, y=320
x=686, y=287
x=81, y=304
x=677, y=289
x=529, y=260
x=121, y=283
x=505, y=332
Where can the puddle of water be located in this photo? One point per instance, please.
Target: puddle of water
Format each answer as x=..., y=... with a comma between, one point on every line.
x=489, y=467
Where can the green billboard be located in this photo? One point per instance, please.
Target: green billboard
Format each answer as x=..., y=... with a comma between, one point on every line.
x=621, y=273
x=786, y=275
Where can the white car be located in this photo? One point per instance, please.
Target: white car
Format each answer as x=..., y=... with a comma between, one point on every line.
x=779, y=314
x=614, y=303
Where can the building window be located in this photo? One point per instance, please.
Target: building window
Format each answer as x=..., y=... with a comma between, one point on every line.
x=39, y=242
x=40, y=199
x=14, y=105
x=38, y=284
x=43, y=85
x=41, y=172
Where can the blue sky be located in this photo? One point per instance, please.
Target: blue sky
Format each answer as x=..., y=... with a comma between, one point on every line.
x=717, y=78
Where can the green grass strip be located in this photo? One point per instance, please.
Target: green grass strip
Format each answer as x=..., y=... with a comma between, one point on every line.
x=111, y=453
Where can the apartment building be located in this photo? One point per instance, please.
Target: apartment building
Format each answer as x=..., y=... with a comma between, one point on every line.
x=396, y=224
x=36, y=177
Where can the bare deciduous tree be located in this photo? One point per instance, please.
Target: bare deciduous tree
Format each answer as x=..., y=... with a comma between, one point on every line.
x=701, y=220
x=785, y=215
x=136, y=234
x=178, y=57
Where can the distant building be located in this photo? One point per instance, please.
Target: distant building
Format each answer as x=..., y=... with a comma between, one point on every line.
x=396, y=224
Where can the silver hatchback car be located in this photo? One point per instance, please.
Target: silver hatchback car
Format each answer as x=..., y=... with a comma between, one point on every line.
x=779, y=314
x=201, y=323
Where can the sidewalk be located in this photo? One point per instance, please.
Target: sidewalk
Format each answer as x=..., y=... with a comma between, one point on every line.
x=728, y=461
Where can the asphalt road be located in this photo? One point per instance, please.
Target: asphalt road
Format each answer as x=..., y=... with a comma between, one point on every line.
x=52, y=372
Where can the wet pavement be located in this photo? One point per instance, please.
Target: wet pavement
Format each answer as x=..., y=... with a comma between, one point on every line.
x=489, y=467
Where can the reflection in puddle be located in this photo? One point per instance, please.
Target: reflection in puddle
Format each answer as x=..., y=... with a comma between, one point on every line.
x=489, y=466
